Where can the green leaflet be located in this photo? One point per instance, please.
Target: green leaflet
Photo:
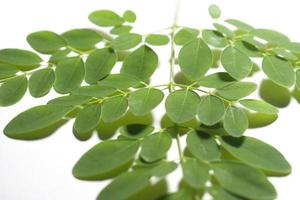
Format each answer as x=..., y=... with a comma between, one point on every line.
x=106, y=159
x=69, y=100
x=40, y=82
x=119, y=81
x=69, y=74
x=7, y=71
x=105, y=18
x=240, y=25
x=144, y=100
x=214, y=11
x=24, y=60
x=59, y=55
x=202, y=146
x=257, y=120
x=99, y=64
x=283, y=53
x=82, y=39
x=237, y=90
x=270, y=36
x=155, y=146
x=257, y=154
x=46, y=42
x=278, y=70
x=294, y=47
x=216, y=80
x=235, y=121
x=126, y=41
x=125, y=186
x=26, y=125
x=94, y=91
x=136, y=131
x=157, y=39
x=219, y=193
x=214, y=38
x=243, y=180
x=88, y=118
x=119, y=30
x=158, y=169
x=141, y=63
x=224, y=30
x=195, y=58
x=129, y=16
x=236, y=63
x=259, y=106
x=181, y=105
x=248, y=49
x=210, y=110
x=195, y=173
x=185, y=35
x=13, y=90
x=114, y=108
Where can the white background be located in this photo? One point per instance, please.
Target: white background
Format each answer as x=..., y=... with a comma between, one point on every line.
x=42, y=169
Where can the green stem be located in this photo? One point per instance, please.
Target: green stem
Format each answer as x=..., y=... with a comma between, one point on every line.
x=181, y=156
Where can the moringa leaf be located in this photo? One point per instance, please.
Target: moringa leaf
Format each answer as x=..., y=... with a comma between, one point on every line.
x=40, y=82
x=270, y=36
x=105, y=18
x=157, y=39
x=119, y=30
x=235, y=121
x=94, y=91
x=126, y=41
x=69, y=100
x=216, y=80
x=219, y=193
x=114, y=108
x=7, y=71
x=224, y=30
x=214, y=38
x=214, y=11
x=237, y=90
x=185, y=35
x=240, y=25
x=119, y=81
x=129, y=16
x=259, y=106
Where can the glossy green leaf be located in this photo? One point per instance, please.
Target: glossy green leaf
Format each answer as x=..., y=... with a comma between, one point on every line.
x=105, y=18
x=258, y=154
x=202, y=146
x=259, y=106
x=99, y=64
x=94, y=91
x=195, y=58
x=129, y=16
x=237, y=90
x=214, y=11
x=210, y=110
x=155, y=146
x=236, y=63
x=88, y=118
x=214, y=38
x=240, y=25
x=22, y=59
x=278, y=70
x=119, y=81
x=69, y=74
x=195, y=173
x=144, y=100
x=185, y=35
x=105, y=159
x=7, y=71
x=141, y=63
x=46, y=42
x=243, y=180
x=125, y=186
x=27, y=124
x=82, y=39
x=235, y=121
x=13, y=90
x=270, y=36
x=157, y=39
x=118, y=30
x=126, y=41
x=181, y=105
x=70, y=100
x=219, y=193
x=114, y=108
x=135, y=131
x=40, y=82
x=216, y=80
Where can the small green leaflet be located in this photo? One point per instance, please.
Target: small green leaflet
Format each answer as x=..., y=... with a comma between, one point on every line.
x=224, y=30
x=271, y=36
x=119, y=81
x=155, y=146
x=26, y=125
x=13, y=90
x=185, y=35
x=210, y=110
x=99, y=64
x=59, y=55
x=216, y=80
x=236, y=63
x=82, y=39
x=46, y=42
x=69, y=100
x=240, y=25
x=7, y=71
x=195, y=173
x=214, y=11
x=163, y=168
x=129, y=16
x=144, y=100
x=219, y=193
x=125, y=186
x=40, y=82
x=237, y=90
x=278, y=70
x=88, y=118
x=106, y=159
x=257, y=120
x=195, y=58
x=214, y=38
x=24, y=60
x=259, y=106
x=157, y=39
x=257, y=154
x=181, y=105
x=235, y=121
x=141, y=63
x=118, y=30
x=243, y=180
x=94, y=91
x=248, y=49
x=69, y=74
x=126, y=41
x=114, y=108
x=105, y=18
x=202, y=146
